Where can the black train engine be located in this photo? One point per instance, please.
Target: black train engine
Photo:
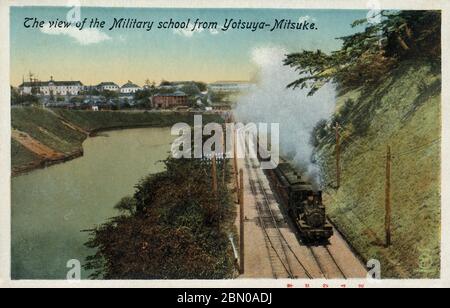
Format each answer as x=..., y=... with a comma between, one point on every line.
x=304, y=204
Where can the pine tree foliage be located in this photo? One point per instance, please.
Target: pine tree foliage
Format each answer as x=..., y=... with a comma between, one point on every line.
x=367, y=56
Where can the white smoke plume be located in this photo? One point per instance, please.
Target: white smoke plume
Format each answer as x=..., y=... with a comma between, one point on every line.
x=296, y=112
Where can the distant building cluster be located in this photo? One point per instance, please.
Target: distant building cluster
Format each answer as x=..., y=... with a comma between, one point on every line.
x=230, y=86
x=64, y=88
x=168, y=95
x=51, y=87
x=169, y=101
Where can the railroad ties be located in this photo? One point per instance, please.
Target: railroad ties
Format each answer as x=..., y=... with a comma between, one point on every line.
x=269, y=223
x=271, y=220
x=284, y=260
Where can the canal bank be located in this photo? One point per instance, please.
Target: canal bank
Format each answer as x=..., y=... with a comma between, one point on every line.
x=46, y=137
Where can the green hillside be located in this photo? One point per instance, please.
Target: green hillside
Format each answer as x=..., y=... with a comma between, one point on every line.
x=404, y=112
x=21, y=156
x=64, y=131
x=44, y=126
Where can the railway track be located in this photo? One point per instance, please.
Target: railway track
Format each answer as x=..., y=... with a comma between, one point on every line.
x=277, y=245
x=327, y=263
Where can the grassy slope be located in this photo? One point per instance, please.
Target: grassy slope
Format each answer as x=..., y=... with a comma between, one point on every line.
x=46, y=127
x=404, y=112
x=21, y=156
x=112, y=119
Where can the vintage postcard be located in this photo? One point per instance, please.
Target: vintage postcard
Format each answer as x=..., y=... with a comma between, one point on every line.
x=292, y=144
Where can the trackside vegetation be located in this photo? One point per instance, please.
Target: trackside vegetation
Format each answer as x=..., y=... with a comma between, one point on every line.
x=173, y=227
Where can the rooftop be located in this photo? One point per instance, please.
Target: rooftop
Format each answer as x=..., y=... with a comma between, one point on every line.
x=129, y=84
x=175, y=94
x=230, y=82
x=51, y=82
x=109, y=83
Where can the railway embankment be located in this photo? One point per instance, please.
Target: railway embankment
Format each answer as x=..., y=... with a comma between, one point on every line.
x=403, y=112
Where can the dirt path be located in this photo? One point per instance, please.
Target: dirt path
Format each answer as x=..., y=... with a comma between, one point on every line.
x=35, y=146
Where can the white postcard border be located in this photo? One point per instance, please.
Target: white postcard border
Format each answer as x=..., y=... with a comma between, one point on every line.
x=5, y=134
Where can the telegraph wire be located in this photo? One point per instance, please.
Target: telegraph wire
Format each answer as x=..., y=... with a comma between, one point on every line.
x=418, y=148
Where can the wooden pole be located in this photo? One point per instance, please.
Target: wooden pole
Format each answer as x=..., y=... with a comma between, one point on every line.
x=224, y=159
x=214, y=174
x=241, y=220
x=214, y=186
x=236, y=171
x=388, y=197
x=338, y=156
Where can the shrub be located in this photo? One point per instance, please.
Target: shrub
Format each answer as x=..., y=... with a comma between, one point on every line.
x=319, y=132
x=169, y=229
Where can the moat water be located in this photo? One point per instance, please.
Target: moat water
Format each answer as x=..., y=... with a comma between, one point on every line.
x=51, y=207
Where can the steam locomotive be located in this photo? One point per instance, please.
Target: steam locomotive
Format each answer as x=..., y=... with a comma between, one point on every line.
x=304, y=204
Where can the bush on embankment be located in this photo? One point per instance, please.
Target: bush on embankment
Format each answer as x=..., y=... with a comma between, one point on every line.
x=173, y=227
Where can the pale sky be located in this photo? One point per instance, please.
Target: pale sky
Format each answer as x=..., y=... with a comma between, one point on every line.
x=94, y=55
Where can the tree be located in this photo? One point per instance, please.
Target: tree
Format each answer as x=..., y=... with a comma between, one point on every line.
x=76, y=100
x=109, y=94
x=150, y=84
x=92, y=91
x=127, y=206
x=147, y=83
x=191, y=90
x=203, y=87
x=165, y=83
x=144, y=94
x=367, y=56
x=15, y=96
x=218, y=97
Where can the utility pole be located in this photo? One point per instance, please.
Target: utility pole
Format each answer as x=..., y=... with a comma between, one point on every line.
x=214, y=185
x=236, y=171
x=388, y=197
x=224, y=159
x=214, y=175
x=338, y=156
x=241, y=222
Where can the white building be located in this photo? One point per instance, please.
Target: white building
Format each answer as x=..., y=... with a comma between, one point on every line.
x=47, y=88
x=108, y=86
x=230, y=86
x=130, y=88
